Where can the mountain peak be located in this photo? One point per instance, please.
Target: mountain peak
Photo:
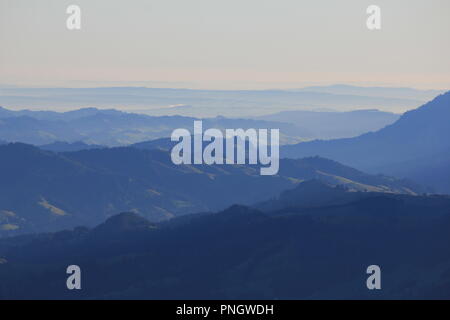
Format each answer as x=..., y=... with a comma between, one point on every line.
x=433, y=108
x=406, y=148
x=309, y=190
x=124, y=222
x=309, y=193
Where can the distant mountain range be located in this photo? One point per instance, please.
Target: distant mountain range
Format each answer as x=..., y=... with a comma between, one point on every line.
x=114, y=128
x=290, y=249
x=385, y=92
x=69, y=147
x=111, y=127
x=46, y=191
x=212, y=103
x=415, y=146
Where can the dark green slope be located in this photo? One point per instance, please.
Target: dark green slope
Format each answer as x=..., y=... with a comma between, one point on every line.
x=244, y=253
x=44, y=191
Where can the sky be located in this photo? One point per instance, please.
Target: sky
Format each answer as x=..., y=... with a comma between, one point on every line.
x=225, y=44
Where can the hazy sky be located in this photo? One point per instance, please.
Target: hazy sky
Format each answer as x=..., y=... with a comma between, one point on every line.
x=225, y=43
